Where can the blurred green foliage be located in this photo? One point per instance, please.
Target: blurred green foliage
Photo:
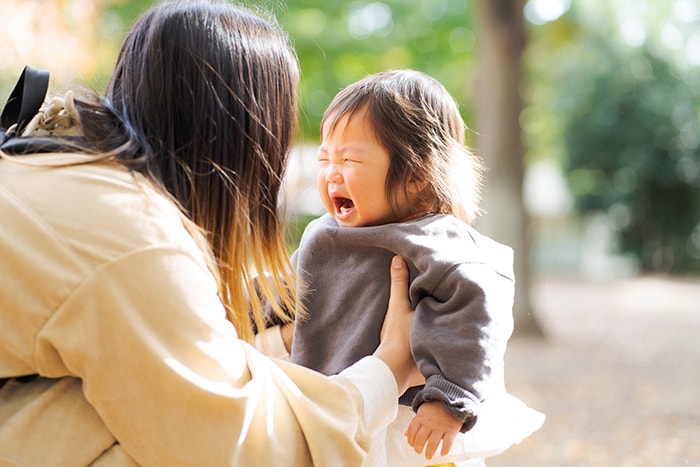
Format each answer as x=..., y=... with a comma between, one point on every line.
x=339, y=42
x=631, y=130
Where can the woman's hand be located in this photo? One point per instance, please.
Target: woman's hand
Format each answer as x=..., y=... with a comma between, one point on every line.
x=394, y=348
x=287, y=333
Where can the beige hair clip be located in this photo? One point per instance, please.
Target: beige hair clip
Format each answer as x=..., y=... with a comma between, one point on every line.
x=58, y=117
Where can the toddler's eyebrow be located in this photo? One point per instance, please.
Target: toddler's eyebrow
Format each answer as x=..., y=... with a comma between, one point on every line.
x=352, y=148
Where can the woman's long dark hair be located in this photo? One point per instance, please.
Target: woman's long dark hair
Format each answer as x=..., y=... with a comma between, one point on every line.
x=203, y=103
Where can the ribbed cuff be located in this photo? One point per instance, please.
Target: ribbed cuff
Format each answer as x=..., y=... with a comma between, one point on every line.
x=459, y=402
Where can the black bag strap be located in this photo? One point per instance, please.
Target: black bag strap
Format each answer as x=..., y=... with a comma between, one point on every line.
x=25, y=100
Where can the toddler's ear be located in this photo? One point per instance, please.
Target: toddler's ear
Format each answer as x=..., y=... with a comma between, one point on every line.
x=416, y=185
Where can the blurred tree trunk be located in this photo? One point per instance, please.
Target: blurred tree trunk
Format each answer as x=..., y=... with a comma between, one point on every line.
x=501, y=41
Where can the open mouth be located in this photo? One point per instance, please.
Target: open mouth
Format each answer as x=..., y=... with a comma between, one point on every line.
x=343, y=207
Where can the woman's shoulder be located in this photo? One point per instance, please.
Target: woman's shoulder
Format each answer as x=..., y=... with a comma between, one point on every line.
x=97, y=208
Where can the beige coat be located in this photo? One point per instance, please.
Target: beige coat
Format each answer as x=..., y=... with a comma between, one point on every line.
x=104, y=294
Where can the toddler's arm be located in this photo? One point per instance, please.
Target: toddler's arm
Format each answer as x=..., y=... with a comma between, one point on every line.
x=431, y=425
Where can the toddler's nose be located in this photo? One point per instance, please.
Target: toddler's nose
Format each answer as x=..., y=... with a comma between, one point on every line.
x=333, y=175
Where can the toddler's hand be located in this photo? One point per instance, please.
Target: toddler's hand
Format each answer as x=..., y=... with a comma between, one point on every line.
x=431, y=425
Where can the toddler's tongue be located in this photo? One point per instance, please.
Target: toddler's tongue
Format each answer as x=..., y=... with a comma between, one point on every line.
x=343, y=206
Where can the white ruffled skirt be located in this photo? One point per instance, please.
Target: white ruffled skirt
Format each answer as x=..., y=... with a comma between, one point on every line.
x=503, y=421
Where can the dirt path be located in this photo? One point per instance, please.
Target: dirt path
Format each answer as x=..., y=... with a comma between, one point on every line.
x=618, y=376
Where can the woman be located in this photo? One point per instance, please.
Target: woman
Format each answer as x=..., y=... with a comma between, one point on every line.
x=123, y=257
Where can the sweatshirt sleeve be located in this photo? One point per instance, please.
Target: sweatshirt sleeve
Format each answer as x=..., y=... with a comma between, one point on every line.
x=166, y=373
x=459, y=337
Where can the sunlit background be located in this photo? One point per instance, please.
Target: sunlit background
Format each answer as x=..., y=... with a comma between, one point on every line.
x=610, y=125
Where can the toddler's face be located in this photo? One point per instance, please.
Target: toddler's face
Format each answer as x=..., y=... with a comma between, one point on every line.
x=352, y=171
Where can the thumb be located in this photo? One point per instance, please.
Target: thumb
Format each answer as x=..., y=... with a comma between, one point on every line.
x=399, y=310
x=399, y=278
